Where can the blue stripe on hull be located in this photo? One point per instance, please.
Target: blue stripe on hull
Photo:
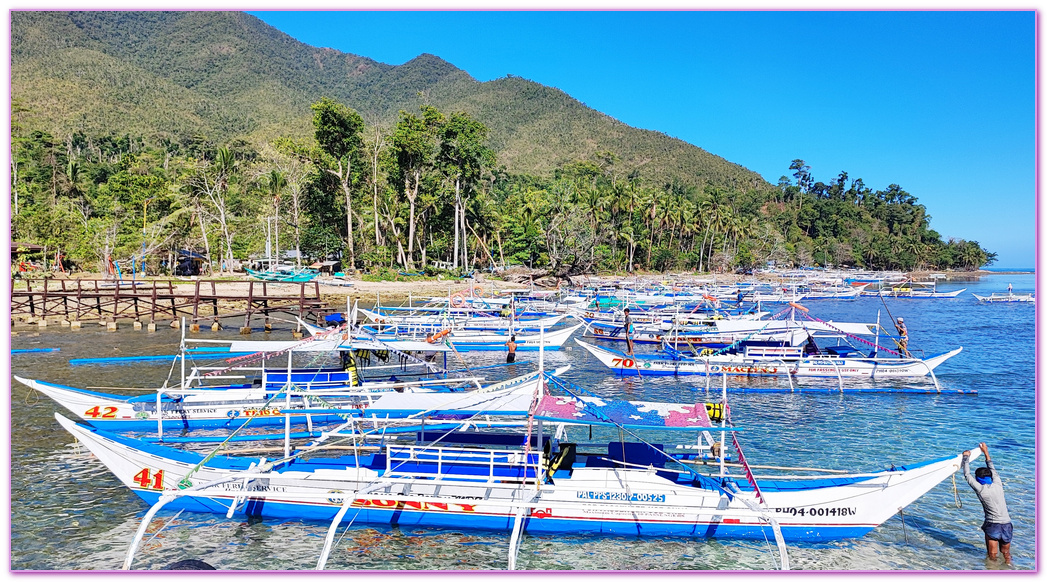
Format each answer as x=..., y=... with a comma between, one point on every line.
x=504, y=523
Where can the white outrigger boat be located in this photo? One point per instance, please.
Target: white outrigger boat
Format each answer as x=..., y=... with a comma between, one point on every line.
x=466, y=322
x=914, y=290
x=515, y=482
x=1007, y=297
x=234, y=407
x=204, y=398
x=468, y=341
x=833, y=362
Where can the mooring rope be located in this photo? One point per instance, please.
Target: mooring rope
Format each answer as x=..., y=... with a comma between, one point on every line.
x=864, y=341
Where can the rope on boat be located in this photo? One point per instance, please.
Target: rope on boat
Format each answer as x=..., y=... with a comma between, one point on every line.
x=956, y=492
x=262, y=356
x=429, y=365
x=901, y=515
x=864, y=341
x=164, y=526
x=185, y=483
x=727, y=348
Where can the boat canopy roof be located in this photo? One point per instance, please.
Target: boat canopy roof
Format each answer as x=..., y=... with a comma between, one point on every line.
x=329, y=345
x=736, y=326
x=648, y=415
x=555, y=408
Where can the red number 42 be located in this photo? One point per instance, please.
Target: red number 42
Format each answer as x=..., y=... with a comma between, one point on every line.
x=146, y=480
x=107, y=412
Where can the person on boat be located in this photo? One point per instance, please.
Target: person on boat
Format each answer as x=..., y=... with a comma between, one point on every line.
x=628, y=332
x=811, y=348
x=903, y=338
x=987, y=485
x=511, y=344
x=1010, y=288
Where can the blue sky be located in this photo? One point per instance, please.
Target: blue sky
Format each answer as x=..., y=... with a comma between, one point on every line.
x=941, y=103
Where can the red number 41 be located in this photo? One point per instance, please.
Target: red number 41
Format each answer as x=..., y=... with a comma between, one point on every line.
x=147, y=481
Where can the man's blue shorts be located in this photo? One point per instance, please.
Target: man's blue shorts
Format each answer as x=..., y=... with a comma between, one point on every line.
x=1000, y=532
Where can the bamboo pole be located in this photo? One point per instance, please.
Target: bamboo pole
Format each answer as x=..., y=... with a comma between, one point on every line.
x=770, y=467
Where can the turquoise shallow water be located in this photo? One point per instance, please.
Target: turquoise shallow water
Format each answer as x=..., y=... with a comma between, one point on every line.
x=69, y=513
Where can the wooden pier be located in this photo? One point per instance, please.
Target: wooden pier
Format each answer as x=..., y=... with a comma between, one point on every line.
x=147, y=301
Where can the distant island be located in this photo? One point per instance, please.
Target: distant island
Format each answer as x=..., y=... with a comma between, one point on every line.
x=139, y=137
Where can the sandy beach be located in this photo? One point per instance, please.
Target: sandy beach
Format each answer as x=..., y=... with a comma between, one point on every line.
x=335, y=292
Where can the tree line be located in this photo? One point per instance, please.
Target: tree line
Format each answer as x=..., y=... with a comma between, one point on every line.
x=428, y=194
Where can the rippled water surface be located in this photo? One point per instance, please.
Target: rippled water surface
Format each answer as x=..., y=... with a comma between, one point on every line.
x=70, y=513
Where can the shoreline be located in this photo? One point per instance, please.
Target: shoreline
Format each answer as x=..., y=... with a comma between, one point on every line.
x=400, y=292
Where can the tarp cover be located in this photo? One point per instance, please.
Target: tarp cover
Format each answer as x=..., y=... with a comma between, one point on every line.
x=637, y=414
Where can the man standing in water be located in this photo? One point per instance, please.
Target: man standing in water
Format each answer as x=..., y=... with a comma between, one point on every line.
x=628, y=332
x=903, y=338
x=987, y=485
x=511, y=344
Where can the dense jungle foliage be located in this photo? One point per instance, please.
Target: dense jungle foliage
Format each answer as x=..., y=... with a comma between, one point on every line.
x=429, y=189
x=136, y=134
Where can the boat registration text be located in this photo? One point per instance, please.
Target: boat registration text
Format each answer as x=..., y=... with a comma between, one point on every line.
x=622, y=496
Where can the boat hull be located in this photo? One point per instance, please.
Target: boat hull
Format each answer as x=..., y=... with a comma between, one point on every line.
x=585, y=501
x=814, y=366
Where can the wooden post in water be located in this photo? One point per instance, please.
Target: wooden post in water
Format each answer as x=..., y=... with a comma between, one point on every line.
x=246, y=329
x=111, y=323
x=152, y=310
x=214, y=304
x=65, y=304
x=32, y=308
x=174, y=311
x=196, y=307
x=79, y=300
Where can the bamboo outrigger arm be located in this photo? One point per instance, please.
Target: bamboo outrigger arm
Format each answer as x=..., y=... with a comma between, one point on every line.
x=162, y=501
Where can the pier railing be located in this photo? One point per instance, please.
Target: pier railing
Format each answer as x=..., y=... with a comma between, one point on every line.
x=146, y=301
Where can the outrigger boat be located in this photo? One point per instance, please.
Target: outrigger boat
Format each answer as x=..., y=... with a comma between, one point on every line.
x=514, y=482
x=292, y=275
x=466, y=341
x=834, y=362
x=701, y=336
x=204, y=398
x=1007, y=297
x=467, y=322
x=914, y=290
x=234, y=407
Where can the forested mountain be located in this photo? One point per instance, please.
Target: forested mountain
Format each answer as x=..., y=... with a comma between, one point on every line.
x=228, y=75
x=135, y=134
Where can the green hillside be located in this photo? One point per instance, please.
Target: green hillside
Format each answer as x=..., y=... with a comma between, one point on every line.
x=136, y=134
x=228, y=75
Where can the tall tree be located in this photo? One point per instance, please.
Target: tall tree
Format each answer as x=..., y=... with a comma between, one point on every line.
x=413, y=149
x=212, y=182
x=463, y=157
x=338, y=131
